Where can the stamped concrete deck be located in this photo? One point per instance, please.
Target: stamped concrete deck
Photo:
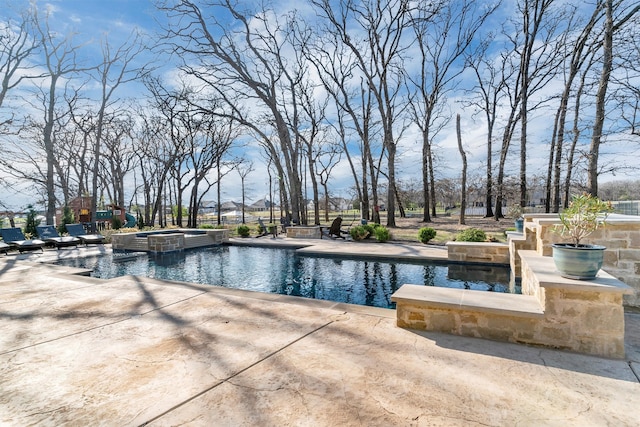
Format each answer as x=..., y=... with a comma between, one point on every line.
x=132, y=351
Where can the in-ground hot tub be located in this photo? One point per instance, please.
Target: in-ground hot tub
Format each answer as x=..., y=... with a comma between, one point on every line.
x=166, y=241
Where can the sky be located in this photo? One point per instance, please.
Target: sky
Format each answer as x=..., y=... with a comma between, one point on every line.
x=93, y=19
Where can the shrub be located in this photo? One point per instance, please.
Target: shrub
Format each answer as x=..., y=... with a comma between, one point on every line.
x=67, y=218
x=243, y=230
x=107, y=233
x=140, y=220
x=425, y=234
x=471, y=235
x=382, y=233
x=371, y=228
x=359, y=232
x=32, y=222
x=207, y=226
x=116, y=223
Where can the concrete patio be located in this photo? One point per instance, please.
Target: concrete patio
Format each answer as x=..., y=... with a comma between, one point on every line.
x=130, y=351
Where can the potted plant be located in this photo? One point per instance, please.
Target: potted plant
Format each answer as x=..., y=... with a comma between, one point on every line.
x=584, y=215
x=515, y=212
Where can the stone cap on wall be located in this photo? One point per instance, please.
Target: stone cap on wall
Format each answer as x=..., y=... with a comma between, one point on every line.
x=548, y=277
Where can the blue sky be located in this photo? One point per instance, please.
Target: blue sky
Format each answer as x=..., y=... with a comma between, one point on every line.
x=96, y=16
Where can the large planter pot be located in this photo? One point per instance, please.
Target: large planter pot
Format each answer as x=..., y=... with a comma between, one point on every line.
x=519, y=223
x=578, y=262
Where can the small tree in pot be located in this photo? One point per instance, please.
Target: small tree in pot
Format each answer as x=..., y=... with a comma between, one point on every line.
x=515, y=212
x=583, y=216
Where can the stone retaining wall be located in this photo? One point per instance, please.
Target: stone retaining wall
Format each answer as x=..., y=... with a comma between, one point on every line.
x=480, y=252
x=586, y=316
x=621, y=236
x=576, y=315
x=302, y=232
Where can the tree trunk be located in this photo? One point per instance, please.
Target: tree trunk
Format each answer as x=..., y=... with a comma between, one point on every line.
x=426, y=215
x=463, y=199
x=607, y=64
x=48, y=145
x=552, y=163
x=391, y=166
x=314, y=187
x=489, y=195
x=432, y=183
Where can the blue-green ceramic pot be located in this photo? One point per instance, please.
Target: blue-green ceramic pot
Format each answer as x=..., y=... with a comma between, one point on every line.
x=519, y=225
x=578, y=262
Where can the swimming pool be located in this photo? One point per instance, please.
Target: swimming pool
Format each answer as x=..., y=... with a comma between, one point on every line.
x=283, y=271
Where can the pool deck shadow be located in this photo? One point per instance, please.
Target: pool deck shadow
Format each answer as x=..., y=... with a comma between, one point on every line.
x=131, y=351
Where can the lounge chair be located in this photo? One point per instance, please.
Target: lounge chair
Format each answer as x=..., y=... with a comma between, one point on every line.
x=263, y=228
x=284, y=223
x=77, y=230
x=50, y=235
x=4, y=247
x=334, y=230
x=14, y=238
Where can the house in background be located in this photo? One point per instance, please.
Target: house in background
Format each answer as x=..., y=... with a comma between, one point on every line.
x=230, y=206
x=262, y=205
x=208, y=207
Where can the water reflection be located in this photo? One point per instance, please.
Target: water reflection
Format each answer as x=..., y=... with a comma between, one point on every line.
x=355, y=281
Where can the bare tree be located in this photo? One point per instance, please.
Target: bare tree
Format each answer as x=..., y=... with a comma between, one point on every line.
x=610, y=27
x=538, y=52
x=628, y=92
x=244, y=169
x=379, y=58
x=118, y=157
x=241, y=58
x=530, y=62
x=17, y=45
x=118, y=67
x=327, y=160
x=490, y=90
x=217, y=138
x=336, y=66
x=580, y=49
x=313, y=139
x=444, y=34
x=576, y=131
x=156, y=154
x=60, y=62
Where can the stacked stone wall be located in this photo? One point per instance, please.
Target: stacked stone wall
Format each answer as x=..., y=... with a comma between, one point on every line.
x=481, y=252
x=576, y=315
x=160, y=243
x=301, y=232
x=620, y=235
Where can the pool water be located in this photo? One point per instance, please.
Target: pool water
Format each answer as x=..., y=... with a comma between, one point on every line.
x=283, y=271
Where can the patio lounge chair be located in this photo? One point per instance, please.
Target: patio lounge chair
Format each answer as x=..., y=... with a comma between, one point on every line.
x=264, y=229
x=50, y=235
x=14, y=238
x=284, y=223
x=77, y=230
x=334, y=230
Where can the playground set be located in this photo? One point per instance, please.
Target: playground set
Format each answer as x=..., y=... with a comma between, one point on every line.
x=81, y=208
